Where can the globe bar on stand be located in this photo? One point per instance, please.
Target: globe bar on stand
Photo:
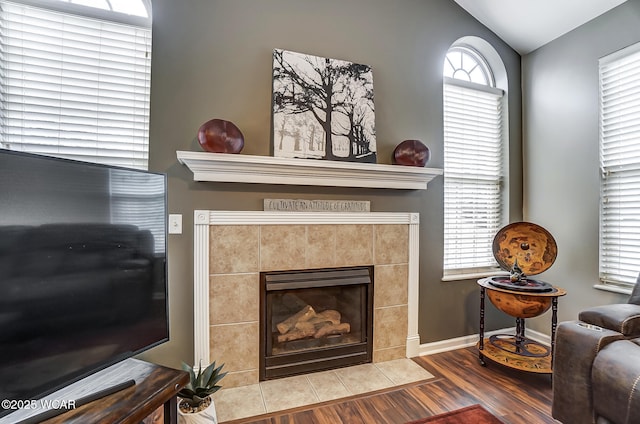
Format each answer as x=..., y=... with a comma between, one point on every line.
x=522, y=248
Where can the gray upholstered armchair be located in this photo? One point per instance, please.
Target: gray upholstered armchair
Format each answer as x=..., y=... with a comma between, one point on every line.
x=596, y=371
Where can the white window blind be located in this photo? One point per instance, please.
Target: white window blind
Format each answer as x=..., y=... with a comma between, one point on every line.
x=473, y=162
x=73, y=86
x=620, y=166
x=134, y=196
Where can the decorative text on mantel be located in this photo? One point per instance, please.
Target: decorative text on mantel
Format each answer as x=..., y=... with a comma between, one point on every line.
x=301, y=205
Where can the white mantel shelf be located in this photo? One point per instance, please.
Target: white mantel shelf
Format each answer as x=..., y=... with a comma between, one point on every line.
x=238, y=168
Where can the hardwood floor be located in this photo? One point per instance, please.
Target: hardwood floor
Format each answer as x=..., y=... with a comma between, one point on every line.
x=513, y=396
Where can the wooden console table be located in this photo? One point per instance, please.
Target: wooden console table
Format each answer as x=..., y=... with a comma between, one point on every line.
x=517, y=351
x=152, y=399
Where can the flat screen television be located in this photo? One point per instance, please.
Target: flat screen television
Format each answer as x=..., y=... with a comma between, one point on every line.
x=82, y=270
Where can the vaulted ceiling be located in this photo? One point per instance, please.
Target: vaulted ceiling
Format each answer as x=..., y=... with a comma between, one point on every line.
x=528, y=24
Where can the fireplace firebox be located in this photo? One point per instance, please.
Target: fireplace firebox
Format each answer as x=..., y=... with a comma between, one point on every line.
x=313, y=320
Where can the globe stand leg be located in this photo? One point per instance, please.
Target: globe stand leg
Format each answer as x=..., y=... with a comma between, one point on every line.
x=481, y=341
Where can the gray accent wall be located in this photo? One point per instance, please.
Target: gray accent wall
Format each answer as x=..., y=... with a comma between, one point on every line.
x=213, y=59
x=560, y=148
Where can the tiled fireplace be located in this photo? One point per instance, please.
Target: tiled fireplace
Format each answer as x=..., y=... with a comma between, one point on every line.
x=231, y=249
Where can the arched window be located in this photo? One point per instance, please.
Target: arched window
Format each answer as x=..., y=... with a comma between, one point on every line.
x=465, y=64
x=76, y=79
x=474, y=163
x=127, y=7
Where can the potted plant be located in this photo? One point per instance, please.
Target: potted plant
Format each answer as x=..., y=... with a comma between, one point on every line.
x=196, y=404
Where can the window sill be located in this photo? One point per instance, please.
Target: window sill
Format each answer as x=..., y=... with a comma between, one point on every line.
x=472, y=275
x=613, y=289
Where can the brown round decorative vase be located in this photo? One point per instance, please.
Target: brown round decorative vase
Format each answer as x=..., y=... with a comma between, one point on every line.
x=411, y=153
x=220, y=136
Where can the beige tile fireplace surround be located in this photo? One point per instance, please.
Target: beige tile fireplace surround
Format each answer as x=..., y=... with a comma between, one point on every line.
x=231, y=248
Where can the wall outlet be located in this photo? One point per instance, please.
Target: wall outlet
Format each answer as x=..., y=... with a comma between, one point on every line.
x=175, y=223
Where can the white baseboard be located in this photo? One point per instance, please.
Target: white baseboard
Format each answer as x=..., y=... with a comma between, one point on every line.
x=472, y=340
x=545, y=339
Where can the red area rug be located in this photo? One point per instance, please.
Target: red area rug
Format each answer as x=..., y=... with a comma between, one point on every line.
x=474, y=414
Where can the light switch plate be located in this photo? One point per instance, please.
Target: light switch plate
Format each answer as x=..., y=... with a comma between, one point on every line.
x=175, y=223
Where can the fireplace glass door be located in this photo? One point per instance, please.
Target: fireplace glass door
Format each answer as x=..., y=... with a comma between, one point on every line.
x=315, y=320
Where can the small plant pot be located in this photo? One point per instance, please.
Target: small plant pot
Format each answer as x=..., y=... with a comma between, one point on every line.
x=206, y=416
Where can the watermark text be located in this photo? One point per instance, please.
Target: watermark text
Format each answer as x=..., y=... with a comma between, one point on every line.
x=15, y=404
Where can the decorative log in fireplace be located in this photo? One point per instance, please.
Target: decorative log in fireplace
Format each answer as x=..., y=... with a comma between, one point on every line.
x=314, y=320
x=307, y=323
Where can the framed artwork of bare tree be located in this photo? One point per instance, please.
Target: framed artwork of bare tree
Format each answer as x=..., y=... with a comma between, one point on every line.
x=322, y=108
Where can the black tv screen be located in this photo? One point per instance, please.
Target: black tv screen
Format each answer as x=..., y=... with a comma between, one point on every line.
x=82, y=270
